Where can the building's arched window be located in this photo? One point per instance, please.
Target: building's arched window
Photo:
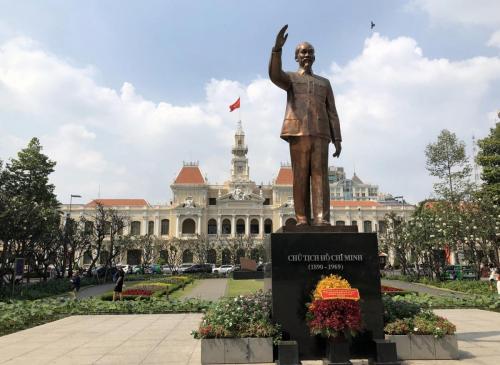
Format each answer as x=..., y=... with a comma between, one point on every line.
x=187, y=256
x=226, y=226
x=268, y=226
x=103, y=257
x=339, y=223
x=354, y=223
x=89, y=227
x=226, y=257
x=367, y=226
x=254, y=226
x=212, y=226
x=382, y=227
x=151, y=228
x=239, y=254
x=240, y=226
x=107, y=227
x=87, y=258
x=134, y=257
x=290, y=222
x=211, y=256
x=135, y=228
x=165, y=227
x=188, y=226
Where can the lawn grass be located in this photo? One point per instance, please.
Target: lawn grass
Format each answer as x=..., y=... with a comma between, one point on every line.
x=180, y=292
x=242, y=287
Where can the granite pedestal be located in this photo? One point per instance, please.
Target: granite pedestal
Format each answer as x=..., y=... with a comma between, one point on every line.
x=299, y=260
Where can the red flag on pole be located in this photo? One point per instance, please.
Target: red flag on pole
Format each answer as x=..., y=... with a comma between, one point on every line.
x=235, y=105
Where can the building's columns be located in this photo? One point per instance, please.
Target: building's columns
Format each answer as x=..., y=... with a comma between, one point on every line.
x=281, y=220
x=233, y=226
x=219, y=224
x=157, y=227
x=247, y=226
x=144, y=228
x=261, y=226
x=198, y=228
x=177, y=225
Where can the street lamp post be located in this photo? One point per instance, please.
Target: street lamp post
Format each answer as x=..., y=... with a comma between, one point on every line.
x=66, y=240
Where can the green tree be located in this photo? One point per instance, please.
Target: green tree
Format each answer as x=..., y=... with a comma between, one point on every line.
x=30, y=214
x=489, y=159
x=446, y=160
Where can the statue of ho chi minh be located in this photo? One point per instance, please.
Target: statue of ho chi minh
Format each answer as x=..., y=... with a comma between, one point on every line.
x=310, y=123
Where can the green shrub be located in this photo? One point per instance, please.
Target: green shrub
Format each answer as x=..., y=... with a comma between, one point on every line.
x=395, y=307
x=17, y=315
x=42, y=289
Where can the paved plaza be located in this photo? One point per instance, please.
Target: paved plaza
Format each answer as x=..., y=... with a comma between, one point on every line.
x=166, y=339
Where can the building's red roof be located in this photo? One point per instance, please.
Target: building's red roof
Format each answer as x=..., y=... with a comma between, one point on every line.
x=354, y=203
x=118, y=202
x=189, y=175
x=285, y=176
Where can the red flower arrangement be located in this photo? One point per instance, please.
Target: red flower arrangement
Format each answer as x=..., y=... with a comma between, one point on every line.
x=333, y=317
x=142, y=292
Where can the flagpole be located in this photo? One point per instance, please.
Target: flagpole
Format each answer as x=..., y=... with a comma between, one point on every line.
x=239, y=109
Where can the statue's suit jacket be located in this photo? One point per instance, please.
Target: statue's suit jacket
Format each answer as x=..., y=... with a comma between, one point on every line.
x=310, y=108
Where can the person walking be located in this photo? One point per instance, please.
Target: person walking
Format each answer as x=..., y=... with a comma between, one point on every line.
x=75, y=284
x=492, y=278
x=497, y=277
x=119, y=285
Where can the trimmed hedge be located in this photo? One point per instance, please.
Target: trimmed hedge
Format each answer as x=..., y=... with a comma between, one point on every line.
x=18, y=315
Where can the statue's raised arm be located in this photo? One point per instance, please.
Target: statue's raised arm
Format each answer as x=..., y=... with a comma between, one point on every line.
x=276, y=73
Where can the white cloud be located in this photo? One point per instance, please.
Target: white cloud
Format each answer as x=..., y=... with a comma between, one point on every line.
x=482, y=13
x=494, y=40
x=476, y=12
x=392, y=100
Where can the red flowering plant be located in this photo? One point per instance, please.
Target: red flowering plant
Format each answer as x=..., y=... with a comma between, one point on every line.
x=335, y=309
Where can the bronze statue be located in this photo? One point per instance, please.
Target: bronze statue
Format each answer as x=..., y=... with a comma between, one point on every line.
x=311, y=122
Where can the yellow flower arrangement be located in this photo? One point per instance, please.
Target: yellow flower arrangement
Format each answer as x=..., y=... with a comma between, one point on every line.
x=330, y=282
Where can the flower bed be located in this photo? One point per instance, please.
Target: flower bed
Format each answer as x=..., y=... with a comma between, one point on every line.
x=148, y=289
x=238, y=330
x=418, y=334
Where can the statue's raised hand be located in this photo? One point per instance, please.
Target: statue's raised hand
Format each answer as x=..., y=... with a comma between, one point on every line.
x=281, y=38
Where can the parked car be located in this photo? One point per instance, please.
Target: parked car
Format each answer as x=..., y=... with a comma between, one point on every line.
x=185, y=266
x=137, y=269
x=198, y=268
x=215, y=269
x=155, y=269
x=167, y=270
x=224, y=269
x=127, y=269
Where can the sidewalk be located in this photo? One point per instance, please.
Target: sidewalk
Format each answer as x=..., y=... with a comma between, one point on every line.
x=94, y=290
x=166, y=339
x=421, y=288
x=208, y=289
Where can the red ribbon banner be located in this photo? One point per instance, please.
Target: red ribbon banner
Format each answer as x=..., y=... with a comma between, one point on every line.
x=340, y=293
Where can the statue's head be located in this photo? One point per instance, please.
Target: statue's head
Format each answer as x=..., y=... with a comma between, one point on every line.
x=304, y=55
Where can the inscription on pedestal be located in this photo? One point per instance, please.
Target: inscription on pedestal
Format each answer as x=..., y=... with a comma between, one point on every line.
x=300, y=259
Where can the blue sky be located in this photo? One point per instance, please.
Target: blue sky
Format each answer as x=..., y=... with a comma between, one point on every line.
x=195, y=57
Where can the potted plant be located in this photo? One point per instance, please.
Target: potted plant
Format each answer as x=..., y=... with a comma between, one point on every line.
x=238, y=330
x=418, y=334
x=335, y=314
